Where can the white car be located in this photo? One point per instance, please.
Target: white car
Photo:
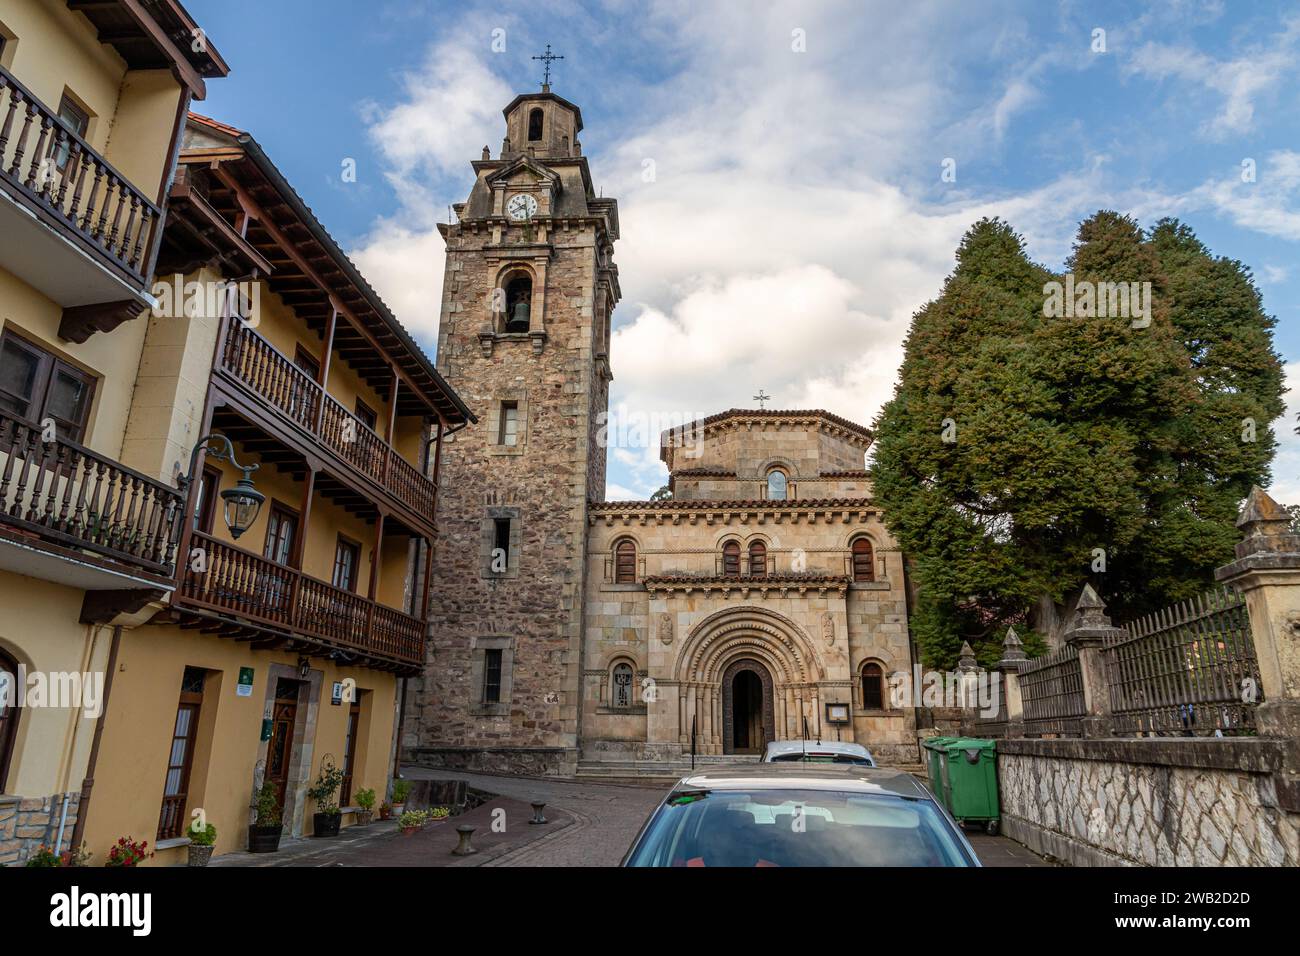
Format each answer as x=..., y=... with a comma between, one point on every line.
x=818, y=751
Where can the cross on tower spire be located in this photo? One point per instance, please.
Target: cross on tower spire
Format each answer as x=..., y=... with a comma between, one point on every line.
x=546, y=59
x=762, y=398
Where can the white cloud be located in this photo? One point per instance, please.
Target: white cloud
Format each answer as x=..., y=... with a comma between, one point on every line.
x=1286, y=466
x=1239, y=81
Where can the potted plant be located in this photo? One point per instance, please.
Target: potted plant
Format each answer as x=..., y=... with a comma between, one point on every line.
x=328, y=815
x=264, y=834
x=128, y=852
x=366, y=803
x=439, y=813
x=401, y=790
x=202, y=842
x=412, y=820
x=385, y=811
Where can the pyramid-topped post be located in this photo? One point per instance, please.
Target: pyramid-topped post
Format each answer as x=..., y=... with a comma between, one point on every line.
x=1267, y=573
x=1013, y=656
x=1090, y=632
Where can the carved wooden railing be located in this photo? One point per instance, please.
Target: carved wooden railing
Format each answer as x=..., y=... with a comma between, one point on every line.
x=260, y=367
x=66, y=494
x=234, y=581
x=58, y=172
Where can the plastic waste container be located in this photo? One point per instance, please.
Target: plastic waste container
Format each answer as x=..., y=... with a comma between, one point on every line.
x=936, y=752
x=968, y=768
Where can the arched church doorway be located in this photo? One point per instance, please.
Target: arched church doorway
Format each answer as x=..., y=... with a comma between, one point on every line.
x=747, y=719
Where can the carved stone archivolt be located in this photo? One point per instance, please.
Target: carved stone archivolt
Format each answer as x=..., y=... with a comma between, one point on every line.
x=772, y=638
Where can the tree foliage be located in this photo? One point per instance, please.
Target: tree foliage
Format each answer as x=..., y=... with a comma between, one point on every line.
x=1023, y=455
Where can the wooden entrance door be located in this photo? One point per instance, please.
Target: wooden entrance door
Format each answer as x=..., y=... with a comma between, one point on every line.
x=279, y=750
x=748, y=723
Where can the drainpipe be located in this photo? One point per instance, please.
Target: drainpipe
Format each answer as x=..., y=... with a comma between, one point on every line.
x=79, y=828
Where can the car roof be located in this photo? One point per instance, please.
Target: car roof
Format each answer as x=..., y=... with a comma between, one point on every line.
x=821, y=746
x=802, y=776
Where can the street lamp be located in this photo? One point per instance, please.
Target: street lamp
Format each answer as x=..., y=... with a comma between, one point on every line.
x=242, y=503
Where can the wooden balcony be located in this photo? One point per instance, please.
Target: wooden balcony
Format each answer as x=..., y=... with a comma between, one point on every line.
x=60, y=179
x=254, y=364
x=87, y=520
x=241, y=585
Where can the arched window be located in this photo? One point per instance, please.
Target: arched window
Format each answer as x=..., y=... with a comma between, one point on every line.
x=777, y=485
x=864, y=566
x=10, y=698
x=731, y=559
x=621, y=685
x=519, y=303
x=873, y=687
x=757, y=559
x=535, y=124
x=625, y=562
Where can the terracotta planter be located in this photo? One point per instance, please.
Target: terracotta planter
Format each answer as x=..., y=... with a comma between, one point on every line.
x=326, y=824
x=398, y=808
x=408, y=831
x=200, y=855
x=264, y=839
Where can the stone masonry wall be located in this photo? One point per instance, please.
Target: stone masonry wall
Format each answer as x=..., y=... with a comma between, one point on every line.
x=1148, y=802
x=28, y=822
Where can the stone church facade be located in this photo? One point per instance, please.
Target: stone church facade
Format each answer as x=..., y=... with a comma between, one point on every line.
x=764, y=600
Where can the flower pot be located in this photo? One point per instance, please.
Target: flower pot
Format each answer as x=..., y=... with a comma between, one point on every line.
x=385, y=813
x=199, y=855
x=398, y=808
x=264, y=839
x=326, y=824
x=408, y=831
x=363, y=817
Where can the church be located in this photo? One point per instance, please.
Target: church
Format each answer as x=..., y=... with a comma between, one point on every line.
x=763, y=600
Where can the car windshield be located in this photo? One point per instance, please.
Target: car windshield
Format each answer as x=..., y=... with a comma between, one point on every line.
x=788, y=827
x=853, y=759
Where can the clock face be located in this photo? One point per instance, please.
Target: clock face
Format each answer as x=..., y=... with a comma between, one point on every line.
x=522, y=207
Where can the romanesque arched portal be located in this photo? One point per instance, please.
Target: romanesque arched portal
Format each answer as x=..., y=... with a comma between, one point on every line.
x=748, y=720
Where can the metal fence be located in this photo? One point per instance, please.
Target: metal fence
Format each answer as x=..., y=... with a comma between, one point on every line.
x=1051, y=689
x=1189, y=668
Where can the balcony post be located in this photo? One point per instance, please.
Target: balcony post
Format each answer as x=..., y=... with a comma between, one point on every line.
x=300, y=539
x=323, y=376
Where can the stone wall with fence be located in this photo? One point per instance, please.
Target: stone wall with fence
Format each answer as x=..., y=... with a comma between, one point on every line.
x=1173, y=740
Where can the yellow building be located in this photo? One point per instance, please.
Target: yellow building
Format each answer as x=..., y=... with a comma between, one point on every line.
x=92, y=102
x=163, y=654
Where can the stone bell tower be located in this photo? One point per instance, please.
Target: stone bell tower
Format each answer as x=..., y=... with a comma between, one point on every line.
x=528, y=291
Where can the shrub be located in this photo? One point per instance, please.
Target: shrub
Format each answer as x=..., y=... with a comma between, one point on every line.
x=365, y=799
x=268, y=806
x=204, y=836
x=401, y=790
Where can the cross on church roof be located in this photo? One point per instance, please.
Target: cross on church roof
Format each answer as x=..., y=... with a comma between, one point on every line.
x=761, y=398
x=546, y=59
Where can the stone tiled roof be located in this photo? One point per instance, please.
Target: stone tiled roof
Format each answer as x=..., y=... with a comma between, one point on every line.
x=774, y=414
x=707, y=504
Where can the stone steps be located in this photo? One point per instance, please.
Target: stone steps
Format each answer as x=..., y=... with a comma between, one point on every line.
x=625, y=768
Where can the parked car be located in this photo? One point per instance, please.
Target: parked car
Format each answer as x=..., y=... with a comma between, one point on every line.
x=817, y=751
x=781, y=814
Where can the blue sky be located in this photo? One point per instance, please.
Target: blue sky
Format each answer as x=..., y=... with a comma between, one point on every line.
x=778, y=165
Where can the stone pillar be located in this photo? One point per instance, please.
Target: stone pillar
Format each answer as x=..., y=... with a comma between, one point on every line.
x=1088, y=632
x=1267, y=573
x=968, y=670
x=1013, y=655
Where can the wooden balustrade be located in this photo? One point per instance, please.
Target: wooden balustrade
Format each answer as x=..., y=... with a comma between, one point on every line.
x=258, y=366
x=232, y=580
x=66, y=494
x=57, y=171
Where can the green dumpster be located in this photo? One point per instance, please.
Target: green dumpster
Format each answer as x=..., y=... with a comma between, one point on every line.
x=968, y=768
x=936, y=747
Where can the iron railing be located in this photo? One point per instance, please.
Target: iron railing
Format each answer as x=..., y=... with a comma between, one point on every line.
x=1051, y=689
x=1188, y=668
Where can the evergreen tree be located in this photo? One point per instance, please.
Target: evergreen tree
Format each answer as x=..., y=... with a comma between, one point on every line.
x=1022, y=455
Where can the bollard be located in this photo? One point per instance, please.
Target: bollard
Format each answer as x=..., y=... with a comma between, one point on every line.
x=463, y=848
x=537, y=813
